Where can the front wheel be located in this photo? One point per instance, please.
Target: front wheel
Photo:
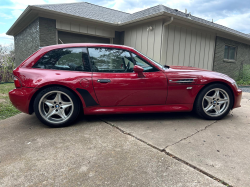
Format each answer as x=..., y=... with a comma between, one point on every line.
x=214, y=102
x=56, y=106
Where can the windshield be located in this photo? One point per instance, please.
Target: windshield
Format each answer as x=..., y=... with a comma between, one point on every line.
x=156, y=63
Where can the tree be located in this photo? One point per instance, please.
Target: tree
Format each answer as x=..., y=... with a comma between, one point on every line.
x=7, y=58
x=7, y=55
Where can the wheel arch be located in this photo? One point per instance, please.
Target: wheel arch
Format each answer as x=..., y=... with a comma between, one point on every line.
x=31, y=104
x=216, y=82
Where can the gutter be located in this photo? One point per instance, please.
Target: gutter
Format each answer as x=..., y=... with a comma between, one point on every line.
x=20, y=17
x=163, y=27
x=143, y=18
x=168, y=22
x=205, y=25
x=30, y=8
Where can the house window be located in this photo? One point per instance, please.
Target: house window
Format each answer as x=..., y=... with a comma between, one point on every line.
x=230, y=53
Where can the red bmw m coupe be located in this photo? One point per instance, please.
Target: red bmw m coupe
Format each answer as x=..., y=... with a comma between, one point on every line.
x=59, y=82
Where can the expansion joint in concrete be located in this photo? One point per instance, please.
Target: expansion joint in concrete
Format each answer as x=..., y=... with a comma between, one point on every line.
x=170, y=154
x=197, y=131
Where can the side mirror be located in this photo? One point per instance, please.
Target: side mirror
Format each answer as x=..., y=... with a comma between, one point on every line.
x=139, y=70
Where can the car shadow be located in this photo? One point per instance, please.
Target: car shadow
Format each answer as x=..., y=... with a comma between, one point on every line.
x=31, y=121
x=175, y=116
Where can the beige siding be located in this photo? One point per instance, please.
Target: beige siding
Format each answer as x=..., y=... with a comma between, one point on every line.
x=157, y=42
x=177, y=37
x=192, y=48
x=211, y=53
x=182, y=47
x=202, y=51
x=205, y=62
x=133, y=37
x=164, y=46
x=146, y=41
x=170, y=44
x=85, y=29
x=197, y=51
x=138, y=38
x=188, y=47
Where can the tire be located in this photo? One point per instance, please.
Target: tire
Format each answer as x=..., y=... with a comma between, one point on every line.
x=56, y=106
x=214, y=102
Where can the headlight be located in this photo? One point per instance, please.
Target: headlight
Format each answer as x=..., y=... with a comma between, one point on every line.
x=235, y=84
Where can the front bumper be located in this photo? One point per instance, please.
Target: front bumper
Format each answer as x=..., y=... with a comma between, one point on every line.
x=237, y=98
x=21, y=97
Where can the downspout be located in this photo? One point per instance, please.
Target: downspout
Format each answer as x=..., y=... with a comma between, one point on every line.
x=163, y=26
x=168, y=22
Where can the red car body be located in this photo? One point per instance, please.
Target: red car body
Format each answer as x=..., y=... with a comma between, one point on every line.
x=126, y=93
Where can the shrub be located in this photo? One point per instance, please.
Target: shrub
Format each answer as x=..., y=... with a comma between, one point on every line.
x=244, y=77
x=7, y=58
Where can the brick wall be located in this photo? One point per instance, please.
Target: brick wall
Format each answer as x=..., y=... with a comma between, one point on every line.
x=47, y=32
x=27, y=42
x=41, y=32
x=232, y=69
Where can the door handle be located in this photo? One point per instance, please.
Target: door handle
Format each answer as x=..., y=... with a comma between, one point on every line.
x=103, y=80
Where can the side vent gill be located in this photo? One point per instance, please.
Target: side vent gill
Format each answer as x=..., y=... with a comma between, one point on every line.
x=182, y=81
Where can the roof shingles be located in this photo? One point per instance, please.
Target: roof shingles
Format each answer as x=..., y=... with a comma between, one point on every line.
x=99, y=13
x=87, y=10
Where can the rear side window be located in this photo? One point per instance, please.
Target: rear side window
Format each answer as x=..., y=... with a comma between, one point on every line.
x=72, y=59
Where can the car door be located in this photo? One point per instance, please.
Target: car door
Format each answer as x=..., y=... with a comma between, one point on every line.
x=116, y=84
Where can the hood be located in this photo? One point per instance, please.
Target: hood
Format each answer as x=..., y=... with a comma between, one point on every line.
x=199, y=76
x=186, y=68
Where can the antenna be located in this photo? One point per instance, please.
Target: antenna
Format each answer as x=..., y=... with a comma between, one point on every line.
x=185, y=11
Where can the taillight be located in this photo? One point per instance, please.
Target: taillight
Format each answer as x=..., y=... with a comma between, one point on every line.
x=17, y=82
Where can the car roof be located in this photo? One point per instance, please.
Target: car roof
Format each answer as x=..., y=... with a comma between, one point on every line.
x=59, y=46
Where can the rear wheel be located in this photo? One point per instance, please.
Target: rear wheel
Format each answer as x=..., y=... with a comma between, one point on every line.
x=56, y=106
x=214, y=102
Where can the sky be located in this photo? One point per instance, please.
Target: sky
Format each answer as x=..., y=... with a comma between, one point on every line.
x=234, y=14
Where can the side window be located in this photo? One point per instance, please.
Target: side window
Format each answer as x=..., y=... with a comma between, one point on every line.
x=73, y=59
x=230, y=53
x=145, y=65
x=110, y=60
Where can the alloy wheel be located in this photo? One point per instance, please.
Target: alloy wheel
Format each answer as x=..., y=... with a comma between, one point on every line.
x=215, y=102
x=56, y=107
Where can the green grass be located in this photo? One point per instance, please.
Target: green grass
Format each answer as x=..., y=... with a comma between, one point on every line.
x=6, y=107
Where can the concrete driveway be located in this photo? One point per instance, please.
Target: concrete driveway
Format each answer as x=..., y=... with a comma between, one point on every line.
x=173, y=149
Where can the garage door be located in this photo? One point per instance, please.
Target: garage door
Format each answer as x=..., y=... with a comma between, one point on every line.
x=67, y=37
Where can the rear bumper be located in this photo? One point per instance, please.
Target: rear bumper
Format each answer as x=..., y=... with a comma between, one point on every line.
x=237, y=98
x=20, y=98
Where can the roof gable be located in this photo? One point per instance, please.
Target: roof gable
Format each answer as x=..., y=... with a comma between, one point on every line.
x=119, y=18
